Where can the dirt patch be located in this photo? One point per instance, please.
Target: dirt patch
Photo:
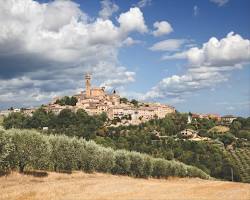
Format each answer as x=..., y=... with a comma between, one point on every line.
x=78, y=185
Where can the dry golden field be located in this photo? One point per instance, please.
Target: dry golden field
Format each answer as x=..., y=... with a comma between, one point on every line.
x=79, y=185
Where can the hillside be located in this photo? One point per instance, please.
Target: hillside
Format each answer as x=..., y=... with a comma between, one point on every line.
x=240, y=158
x=219, y=129
x=79, y=185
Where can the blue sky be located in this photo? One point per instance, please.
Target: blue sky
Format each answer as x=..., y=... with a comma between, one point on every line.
x=191, y=54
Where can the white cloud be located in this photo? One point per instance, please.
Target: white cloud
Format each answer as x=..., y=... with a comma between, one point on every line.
x=108, y=8
x=36, y=45
x=207, y=66
x=220, y=2
x=196, y=10
x=130, y=41
x=144, y=3
x=162, y=28
x=132, y=21
x=168, y=45
x=178, y=55
x=229, y=51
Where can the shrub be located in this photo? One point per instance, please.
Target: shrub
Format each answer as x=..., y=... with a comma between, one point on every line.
x=30, y=148
x=159, y=168
x=21, y=148
x=107, y=159
x=92, y=158
x=63, y=153
x=122, y=162
x=6, y=148
x=195, y=172
x=148, y=166
x=137, y=164
x=180, y=169
x=78, y=152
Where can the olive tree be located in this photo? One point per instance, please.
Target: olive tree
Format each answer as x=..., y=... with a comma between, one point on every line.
x=30, y=148
x=6, y=148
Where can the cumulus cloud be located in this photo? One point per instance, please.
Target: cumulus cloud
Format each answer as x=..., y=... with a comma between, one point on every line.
x=132, y=21
x=50, y=45
x=168, y=45
x=220, y=2
x=206, y=66
x=162, y=28
x=130, y=41
x=108, y=8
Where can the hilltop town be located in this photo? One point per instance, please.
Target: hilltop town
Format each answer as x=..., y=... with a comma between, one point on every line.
x=95, y=100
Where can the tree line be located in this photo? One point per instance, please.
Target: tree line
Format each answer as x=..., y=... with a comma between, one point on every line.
x=210, y=156
x=29, y=149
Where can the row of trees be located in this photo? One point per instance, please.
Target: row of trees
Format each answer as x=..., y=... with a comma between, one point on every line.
x=66, y=122
x=208, y=156
x=25, y=149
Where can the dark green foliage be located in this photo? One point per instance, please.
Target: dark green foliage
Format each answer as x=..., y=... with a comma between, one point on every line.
x=245, y=134
x=122, y=163
x=66, y=122
x=92, y=158
x=134, y=102
x=123, y=100
x=38, y=120
x=137, y=164
x=106, y=159
x=160, y=168
x=28, y=148
x=66, y=154
x=15, y=120
x=227, y=138
x=67, y=101
x=6, y=149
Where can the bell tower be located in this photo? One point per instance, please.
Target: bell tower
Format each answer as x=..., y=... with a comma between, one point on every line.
x=87, y=85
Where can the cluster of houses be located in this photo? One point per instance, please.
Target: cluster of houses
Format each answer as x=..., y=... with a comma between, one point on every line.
x=94, y=100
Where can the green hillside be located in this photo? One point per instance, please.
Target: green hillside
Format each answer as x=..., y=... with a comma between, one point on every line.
x=240, y=158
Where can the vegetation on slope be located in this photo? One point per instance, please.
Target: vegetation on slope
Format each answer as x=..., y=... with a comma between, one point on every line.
x=240, y=158
x=24, y=149
x=210, y=156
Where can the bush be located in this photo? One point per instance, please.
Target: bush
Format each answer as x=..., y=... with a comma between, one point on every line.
x=64, y=154
x=6, y=148
x=180, y=169
x=159, y=168
x=195, y=172
x=22, y=148
x=30, y=149
x=122, y=163
x=92, y=158
x=107, y=159
x=136, y=164
x=148, y=166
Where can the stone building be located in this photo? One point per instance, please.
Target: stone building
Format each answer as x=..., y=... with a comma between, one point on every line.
x=95, y=100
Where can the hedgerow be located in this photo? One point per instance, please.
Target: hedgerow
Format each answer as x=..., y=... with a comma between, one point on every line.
x=22, y=149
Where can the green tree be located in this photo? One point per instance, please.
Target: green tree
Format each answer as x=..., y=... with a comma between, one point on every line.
x=15, y=120
x=134, y=102
x=30, y=148
x=6, y=148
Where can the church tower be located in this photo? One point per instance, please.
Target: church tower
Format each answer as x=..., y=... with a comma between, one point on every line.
x=87, y=85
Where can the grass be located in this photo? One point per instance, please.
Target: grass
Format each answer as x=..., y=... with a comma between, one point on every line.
x=219, y=129
x=79, y=185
